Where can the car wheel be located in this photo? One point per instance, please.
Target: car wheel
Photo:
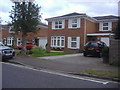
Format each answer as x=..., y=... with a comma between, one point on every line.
x=85, y=54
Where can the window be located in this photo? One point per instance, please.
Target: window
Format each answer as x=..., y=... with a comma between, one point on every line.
x=105, y=26
x=10, y=41
x=74, y=42
x=58, y=24
x=18, y=41
x=11, y=30
x=74, y=23
x=57, y=41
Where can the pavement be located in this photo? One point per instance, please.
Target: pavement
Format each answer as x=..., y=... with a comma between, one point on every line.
x=75, y=63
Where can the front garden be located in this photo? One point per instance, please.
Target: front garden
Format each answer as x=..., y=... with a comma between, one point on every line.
x=40, y=52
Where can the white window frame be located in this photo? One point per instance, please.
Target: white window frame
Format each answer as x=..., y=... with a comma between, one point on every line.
x=101, y=26
x=71, y=23
x=18, y=41
x=9, y=41
x=59, y=24
x=10, y=30
x=54, y=41
x=77, y=43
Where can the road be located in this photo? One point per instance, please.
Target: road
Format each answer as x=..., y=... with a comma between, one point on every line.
x=16, y=76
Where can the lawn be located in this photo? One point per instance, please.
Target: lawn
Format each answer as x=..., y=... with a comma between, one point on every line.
x=51, y=54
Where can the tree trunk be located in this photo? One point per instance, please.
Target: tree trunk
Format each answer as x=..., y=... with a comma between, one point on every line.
x=23, y=51
x=14, y=41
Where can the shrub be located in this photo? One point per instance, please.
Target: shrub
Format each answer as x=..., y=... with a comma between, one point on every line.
x=38, y=50
x=105, y=54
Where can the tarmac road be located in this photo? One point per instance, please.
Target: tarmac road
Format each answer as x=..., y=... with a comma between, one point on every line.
x=16, y=76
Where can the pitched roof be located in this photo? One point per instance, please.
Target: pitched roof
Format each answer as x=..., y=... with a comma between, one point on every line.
x=42, y=25
x=106, y=17
x=68, y=15
x=72, y=14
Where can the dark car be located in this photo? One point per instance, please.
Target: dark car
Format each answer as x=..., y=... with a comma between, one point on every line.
x=94, y=48
x=6, y=52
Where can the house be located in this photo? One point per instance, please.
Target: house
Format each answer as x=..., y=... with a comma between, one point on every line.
x=39, y=38
x=105, y=26
x=70, y=32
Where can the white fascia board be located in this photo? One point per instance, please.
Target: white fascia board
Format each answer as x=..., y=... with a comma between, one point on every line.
x=91, y=18
x=99, y=34
x=107, y=20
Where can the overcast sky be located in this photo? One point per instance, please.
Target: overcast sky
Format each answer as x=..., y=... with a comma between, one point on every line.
x=52, y=8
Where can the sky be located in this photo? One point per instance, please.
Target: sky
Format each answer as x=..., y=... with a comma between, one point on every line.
x=53, y=8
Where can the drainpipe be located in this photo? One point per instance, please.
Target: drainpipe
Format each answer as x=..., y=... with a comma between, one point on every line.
x=84, y=31
x=0, y=32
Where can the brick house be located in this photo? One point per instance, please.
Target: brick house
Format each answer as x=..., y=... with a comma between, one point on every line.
x=70, y=32
x=39, y=38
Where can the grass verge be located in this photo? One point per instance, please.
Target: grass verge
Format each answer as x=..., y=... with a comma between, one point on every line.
x=113, y=74
x=51, y=54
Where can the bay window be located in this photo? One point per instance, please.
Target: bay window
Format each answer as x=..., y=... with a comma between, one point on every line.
x=57, y=41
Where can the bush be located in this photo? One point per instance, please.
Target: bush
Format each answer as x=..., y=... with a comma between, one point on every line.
x=105, y=54
x=38, y=50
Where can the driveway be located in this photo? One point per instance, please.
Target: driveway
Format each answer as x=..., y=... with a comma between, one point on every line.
x=66, y=63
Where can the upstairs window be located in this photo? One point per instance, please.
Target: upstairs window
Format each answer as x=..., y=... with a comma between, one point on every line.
x=58, y=24
x=105, y=26
x=11, y=30
x=74, y=23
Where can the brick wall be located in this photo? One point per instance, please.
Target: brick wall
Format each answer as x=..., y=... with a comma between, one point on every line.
x=114, y=53
x=67, y=32
x=90, y=26
x=40, y=33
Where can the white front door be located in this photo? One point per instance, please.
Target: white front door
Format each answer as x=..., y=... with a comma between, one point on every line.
x=43, y=42
x=105, y=40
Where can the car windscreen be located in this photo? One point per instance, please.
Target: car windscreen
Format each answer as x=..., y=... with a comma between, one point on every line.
x=92, y=44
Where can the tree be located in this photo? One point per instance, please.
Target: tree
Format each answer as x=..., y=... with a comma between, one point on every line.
x=25, y=18
x=117, y=31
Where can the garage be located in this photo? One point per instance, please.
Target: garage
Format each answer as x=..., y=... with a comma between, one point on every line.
x=105, y=40
x=42, y=42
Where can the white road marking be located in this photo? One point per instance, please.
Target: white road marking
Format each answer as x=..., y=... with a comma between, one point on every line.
x=61, y=74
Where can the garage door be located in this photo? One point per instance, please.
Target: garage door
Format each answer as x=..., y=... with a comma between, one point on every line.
x=105, y=40
x=42, y=42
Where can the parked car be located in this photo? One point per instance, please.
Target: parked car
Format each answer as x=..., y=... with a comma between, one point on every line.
x=6, y=52
x=29, y=46
x=94, y=48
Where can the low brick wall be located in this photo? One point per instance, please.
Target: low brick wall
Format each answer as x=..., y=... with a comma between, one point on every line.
x=114, y=51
